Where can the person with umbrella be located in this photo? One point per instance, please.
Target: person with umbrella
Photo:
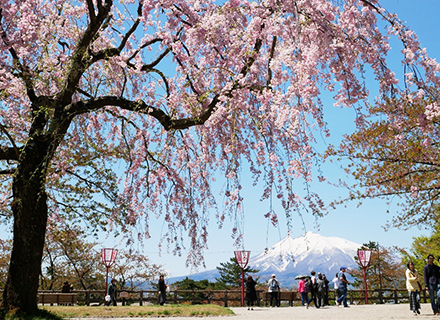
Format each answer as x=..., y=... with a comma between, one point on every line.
x=302, y=289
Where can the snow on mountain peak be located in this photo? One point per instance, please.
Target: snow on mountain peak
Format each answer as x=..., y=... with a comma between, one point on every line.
x=311, y=251
x=293, y=256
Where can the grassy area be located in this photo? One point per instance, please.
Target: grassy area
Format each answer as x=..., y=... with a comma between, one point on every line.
x=137, y=311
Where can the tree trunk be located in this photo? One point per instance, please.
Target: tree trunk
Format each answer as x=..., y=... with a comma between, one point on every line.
x=29, y=208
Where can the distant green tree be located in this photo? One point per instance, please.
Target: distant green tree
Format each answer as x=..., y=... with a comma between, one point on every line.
x=230, y=273
x=193, y=285
x=420, y=249
x=190, y=284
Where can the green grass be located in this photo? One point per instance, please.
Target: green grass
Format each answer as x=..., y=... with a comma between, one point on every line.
x=135, y=311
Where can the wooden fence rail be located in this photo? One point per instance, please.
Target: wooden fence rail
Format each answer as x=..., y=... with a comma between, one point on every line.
x=231, y=297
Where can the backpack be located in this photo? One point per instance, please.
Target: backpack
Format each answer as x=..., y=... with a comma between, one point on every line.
x=308, y=283
x=273, y=285
x=320, y=285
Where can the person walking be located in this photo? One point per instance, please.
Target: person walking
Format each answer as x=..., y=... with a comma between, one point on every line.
x=431, y=274
x=342, y=285
x=335, y=287
x=112, y=292
x=251, y=293
x=274, y=288
x=162, y=290
x=312, y=289
x=413, y=286
x=327, y=289
x=320, y=291
x=303, y=291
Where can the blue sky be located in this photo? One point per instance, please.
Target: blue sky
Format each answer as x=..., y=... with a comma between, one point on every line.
x=359, y=224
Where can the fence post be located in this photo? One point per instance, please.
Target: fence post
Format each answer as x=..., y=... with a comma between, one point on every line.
x=226, y=299
x=141, y=298
x=396, y=301
x=87, y=298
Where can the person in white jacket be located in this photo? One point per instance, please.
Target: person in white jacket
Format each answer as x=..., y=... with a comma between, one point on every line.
x=273, y=289
x=413, y=285
x=335, y=286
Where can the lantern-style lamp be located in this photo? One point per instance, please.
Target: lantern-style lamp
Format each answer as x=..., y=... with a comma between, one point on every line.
x=364, y=257
x=108, y=256
x=242, y=258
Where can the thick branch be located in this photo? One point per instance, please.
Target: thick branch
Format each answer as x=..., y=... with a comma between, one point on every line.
x=111, y=52
x=7, y=172
x=8, y=153
x=3, y=129
x=79, y=61
x=139, y=106
x=91, y=9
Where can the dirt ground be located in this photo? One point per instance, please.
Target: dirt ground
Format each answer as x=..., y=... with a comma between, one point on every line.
x=354, y=312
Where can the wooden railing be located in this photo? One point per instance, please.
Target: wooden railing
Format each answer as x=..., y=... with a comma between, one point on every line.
x=229, y=298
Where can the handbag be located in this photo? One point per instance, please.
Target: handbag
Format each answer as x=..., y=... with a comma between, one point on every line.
x=107, y=298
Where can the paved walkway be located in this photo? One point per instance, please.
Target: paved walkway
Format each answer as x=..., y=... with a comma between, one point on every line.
x=356, y=312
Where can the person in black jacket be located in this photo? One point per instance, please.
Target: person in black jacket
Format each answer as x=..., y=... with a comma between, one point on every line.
x=320, y=291
x=162, y=290
x=313, y=290
x=251, y=293
x=65, y=288
x=327, y=289
x=431, y=274
x=112, y=292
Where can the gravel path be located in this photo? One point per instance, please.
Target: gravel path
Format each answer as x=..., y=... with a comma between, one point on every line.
x=355, y=312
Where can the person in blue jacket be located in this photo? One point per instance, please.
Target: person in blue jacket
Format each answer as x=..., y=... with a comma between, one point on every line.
x=431, y=274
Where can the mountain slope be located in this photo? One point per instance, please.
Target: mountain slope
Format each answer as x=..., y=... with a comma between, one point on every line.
x=293, y=256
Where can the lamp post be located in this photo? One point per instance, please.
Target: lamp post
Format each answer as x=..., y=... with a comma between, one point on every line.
x=364, y=260
x=242, y=258
x=108, y=256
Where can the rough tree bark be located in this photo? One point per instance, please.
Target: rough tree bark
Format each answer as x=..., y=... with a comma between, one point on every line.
x=30, y=217
x=29, y=208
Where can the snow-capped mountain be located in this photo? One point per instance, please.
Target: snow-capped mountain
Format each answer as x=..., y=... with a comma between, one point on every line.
x=311, y=251
x=294, y=256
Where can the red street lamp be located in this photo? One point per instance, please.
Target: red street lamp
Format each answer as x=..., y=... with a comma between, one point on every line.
x=108, y=258
x=242, y=258
x=364, y=260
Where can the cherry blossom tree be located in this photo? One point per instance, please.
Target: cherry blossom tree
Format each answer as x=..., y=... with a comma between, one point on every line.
x=394, y=156
x=116, y=112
